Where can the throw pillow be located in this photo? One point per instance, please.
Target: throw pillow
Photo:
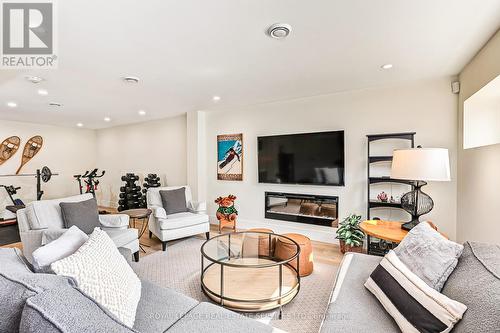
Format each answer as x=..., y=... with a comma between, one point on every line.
x=83, y=214
x=174, y=201
x=62, y=247
x=102, y=273
x=414, y=305
x=50, y=235
x=429, y=255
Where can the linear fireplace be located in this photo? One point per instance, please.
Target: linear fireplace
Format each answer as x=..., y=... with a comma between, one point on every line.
x=302, y=208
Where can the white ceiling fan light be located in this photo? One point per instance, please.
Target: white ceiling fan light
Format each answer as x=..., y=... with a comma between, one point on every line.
x=279, y=30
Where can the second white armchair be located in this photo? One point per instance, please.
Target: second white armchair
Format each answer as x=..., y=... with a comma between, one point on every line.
x=179, y=225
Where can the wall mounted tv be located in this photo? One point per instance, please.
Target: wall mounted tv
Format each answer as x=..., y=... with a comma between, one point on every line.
x=309, y=158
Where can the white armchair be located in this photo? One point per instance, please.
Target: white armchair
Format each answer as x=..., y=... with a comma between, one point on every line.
x=179, y=225
x=43, y=219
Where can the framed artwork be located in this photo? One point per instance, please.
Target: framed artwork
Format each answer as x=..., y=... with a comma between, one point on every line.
x=230, y=157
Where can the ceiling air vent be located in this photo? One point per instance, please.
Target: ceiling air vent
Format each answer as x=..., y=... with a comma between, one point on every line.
x=131, y=79
x=279, y=30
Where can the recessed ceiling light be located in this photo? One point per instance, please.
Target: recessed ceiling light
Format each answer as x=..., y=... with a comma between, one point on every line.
x=107, y=119
x=216, y=98
x=79, y=125
x=141, y=113
x=386, y=66
x=43, y=92
x=279, y=30
x=11, y=104
x=131, y=79
x=34, y=79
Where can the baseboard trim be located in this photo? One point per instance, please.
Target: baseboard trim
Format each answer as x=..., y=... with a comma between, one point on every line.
x=314, y=232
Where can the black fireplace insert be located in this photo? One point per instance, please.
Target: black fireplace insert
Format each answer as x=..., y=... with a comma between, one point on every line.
x=302, y=208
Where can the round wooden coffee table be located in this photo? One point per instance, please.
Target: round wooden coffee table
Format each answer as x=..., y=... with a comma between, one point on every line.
x=248, y=281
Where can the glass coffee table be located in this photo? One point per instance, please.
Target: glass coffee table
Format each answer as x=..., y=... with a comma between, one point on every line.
x=240, y=272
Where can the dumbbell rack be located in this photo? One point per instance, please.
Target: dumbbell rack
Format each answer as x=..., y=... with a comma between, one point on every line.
x=152, y=180
x=130, y=194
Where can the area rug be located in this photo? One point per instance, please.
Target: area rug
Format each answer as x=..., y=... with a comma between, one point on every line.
x=179, y=268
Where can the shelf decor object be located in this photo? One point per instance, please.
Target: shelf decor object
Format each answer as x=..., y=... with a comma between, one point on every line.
x=420, y=165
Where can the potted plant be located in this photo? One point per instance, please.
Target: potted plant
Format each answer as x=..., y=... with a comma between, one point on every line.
x=350, y=235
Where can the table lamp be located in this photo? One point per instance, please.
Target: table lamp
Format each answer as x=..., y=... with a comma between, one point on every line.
x=419, y=165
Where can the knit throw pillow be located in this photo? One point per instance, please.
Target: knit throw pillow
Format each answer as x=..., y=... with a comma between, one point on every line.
x=102, y=273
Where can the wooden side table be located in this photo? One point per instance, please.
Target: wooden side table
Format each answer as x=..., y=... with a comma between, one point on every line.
x=389, y=233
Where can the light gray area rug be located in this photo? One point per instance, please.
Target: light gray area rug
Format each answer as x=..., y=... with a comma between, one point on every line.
x=179, y=269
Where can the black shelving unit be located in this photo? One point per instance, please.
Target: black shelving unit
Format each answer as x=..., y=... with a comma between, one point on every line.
x=376, y=246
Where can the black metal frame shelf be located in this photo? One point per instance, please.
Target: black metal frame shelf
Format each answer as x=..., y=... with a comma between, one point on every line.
x=376, y=180
x=376, y=248
x=374, y=159
x=382, y=204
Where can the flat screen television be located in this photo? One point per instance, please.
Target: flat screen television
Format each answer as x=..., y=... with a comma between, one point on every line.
x=309, y=158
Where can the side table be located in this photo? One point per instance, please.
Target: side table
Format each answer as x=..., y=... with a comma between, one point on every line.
x=139, y=214
x=388, y=232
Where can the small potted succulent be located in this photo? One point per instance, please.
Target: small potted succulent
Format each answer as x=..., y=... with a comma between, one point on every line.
x=350, y=235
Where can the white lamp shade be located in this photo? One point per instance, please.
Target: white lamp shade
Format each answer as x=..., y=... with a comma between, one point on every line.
x=426, y=164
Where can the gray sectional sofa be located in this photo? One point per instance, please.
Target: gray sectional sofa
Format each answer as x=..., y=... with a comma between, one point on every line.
x=48, y=303
x=475, y=282
x=35, y=303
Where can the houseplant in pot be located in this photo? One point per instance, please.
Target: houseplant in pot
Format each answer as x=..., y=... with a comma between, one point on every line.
x=350, y=235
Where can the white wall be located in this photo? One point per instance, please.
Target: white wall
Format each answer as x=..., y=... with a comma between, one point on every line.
x=478, y=171
x=65, y=150
x=428, y=107
x=157, y=146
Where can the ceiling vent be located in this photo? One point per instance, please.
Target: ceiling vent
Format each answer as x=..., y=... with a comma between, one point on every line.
x=131, y=79
x=34, y=79
x=55, y=104
x=279, y=30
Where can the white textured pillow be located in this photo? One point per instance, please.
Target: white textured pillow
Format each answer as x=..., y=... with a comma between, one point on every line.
x=102, y=273
x=64, y=246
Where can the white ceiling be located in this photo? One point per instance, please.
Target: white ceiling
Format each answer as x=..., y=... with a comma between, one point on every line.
x=187, y=51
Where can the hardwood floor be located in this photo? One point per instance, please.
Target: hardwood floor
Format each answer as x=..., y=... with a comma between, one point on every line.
x=323, y=252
